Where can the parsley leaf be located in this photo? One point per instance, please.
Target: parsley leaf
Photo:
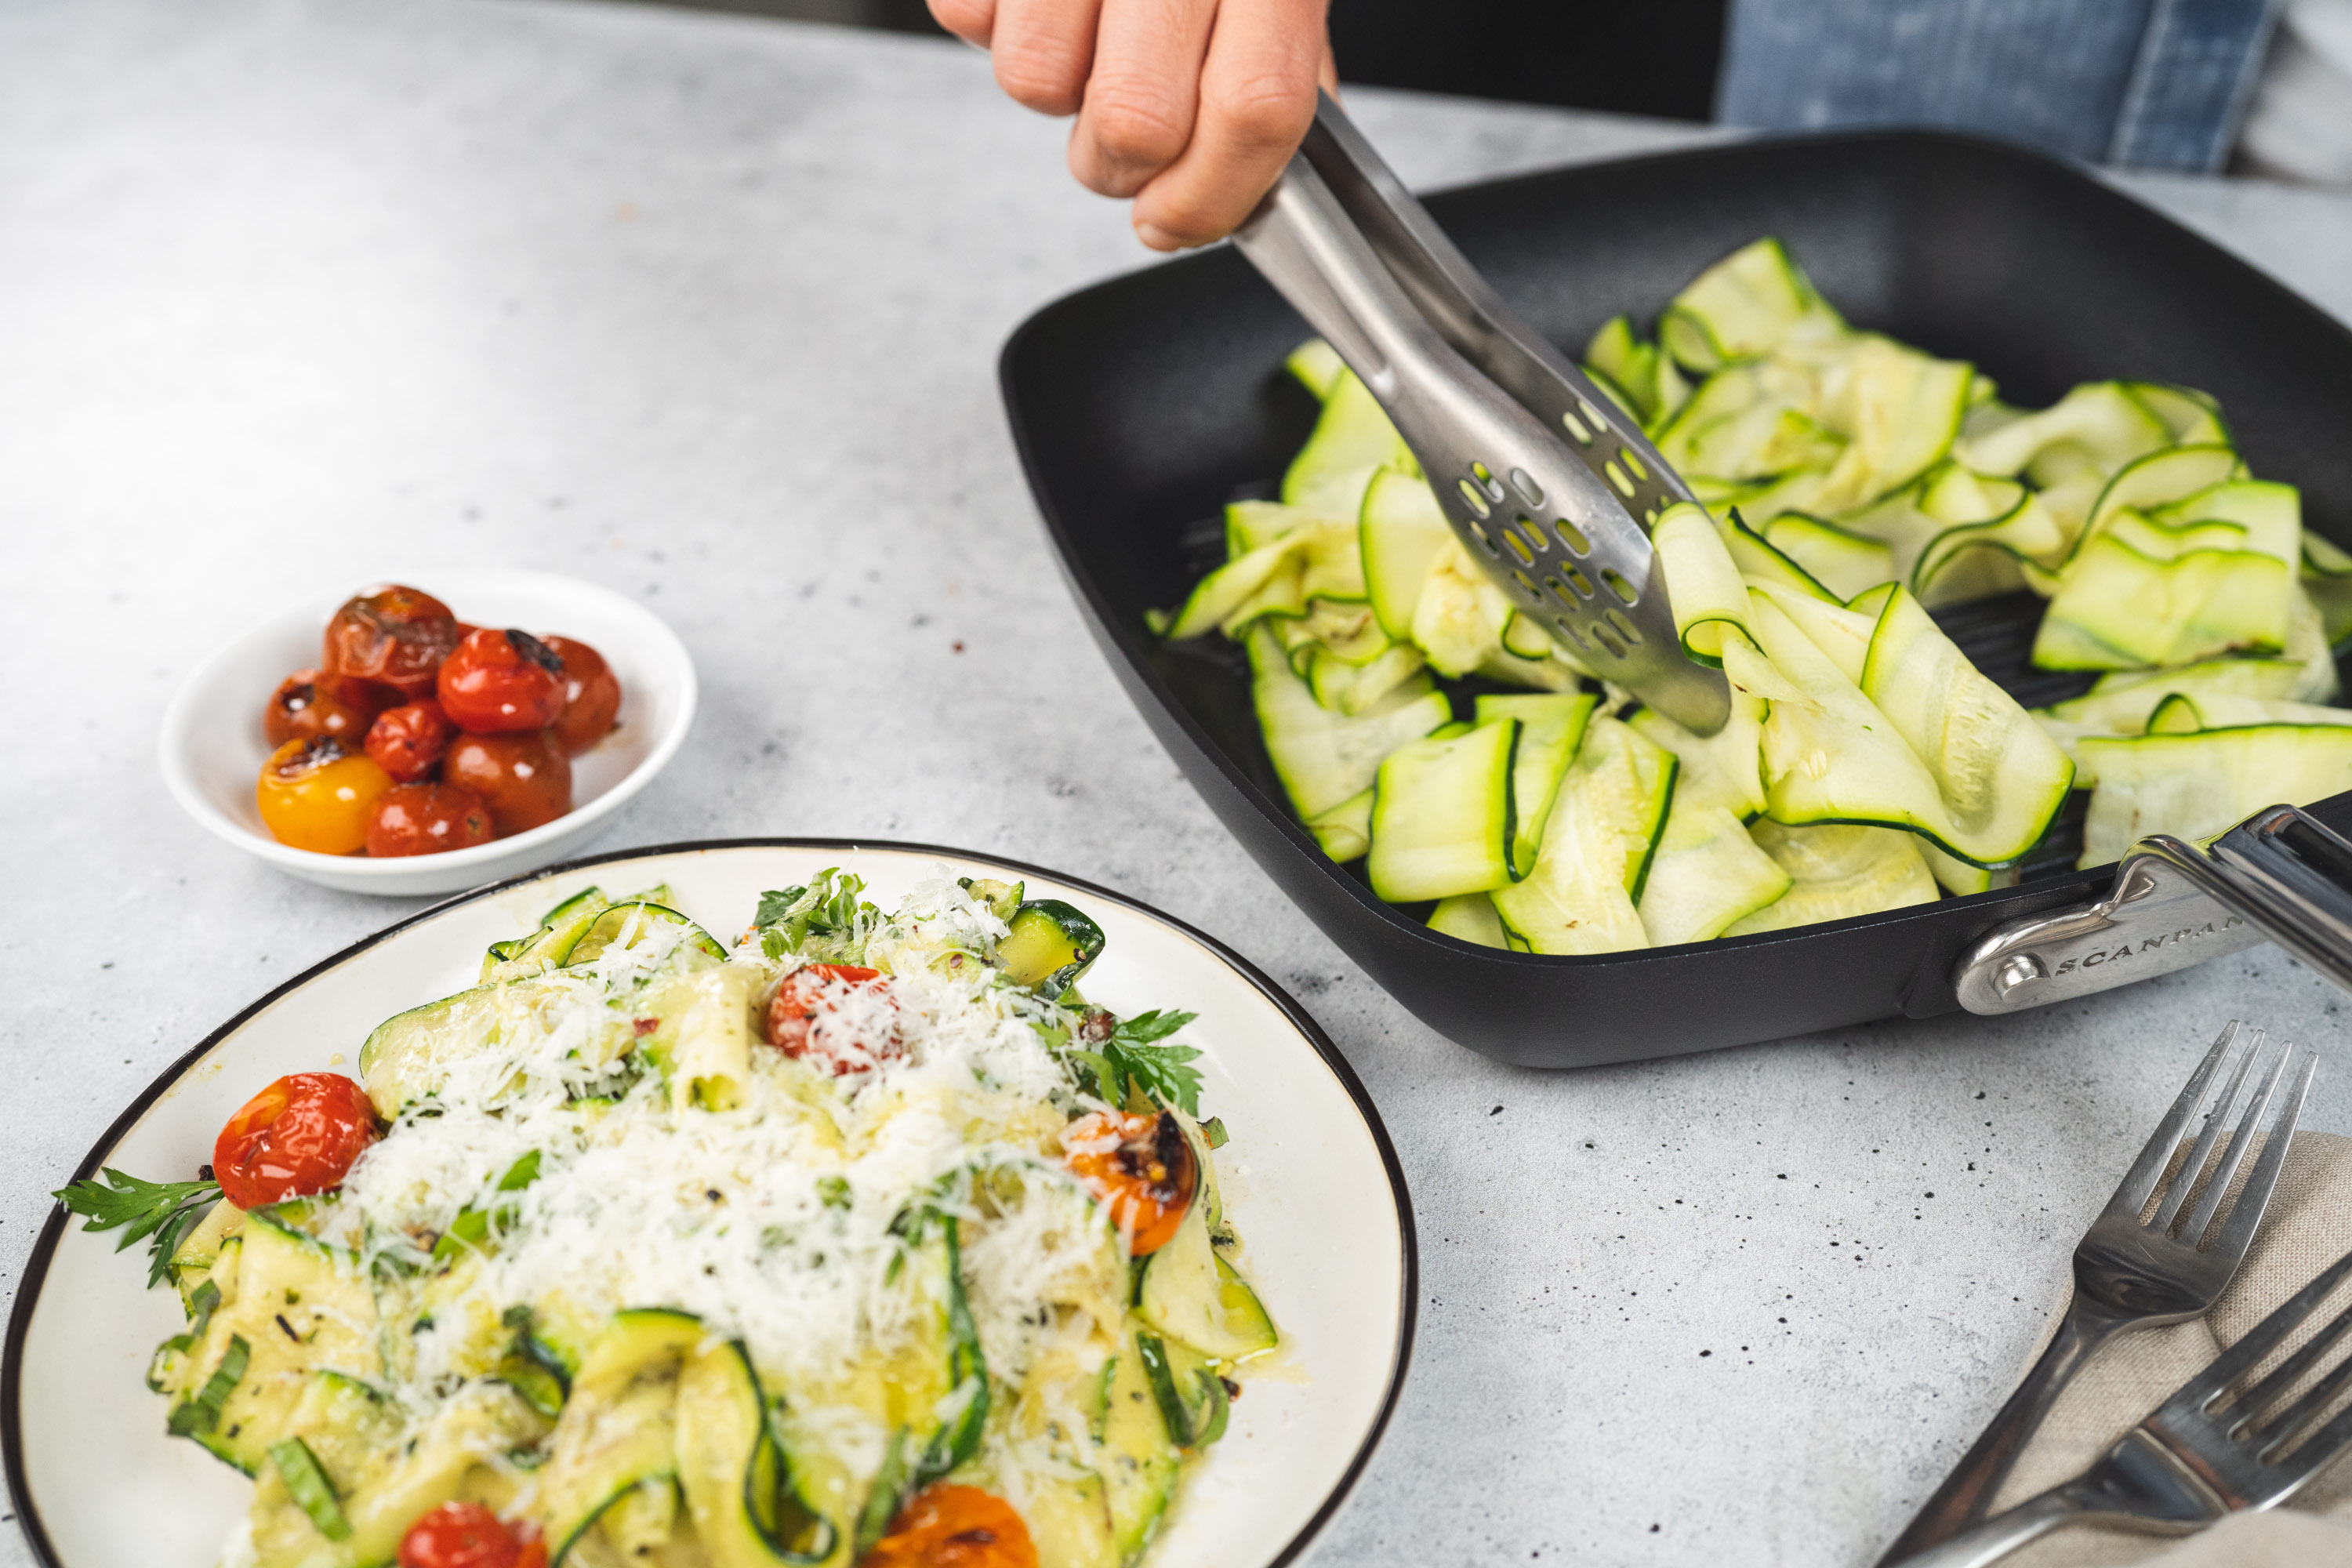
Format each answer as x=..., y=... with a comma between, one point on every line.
x=1146, y=1027
x=776, y=906
x=164, y=1210
x=1133, y=1056
x=827, y=909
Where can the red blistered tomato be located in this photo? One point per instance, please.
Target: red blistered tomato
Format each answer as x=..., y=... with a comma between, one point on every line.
x=408, y=742
x=592, y=696
x=499, y=682
x=307, y=705
x=467, y=1535
x=427, y=819
x=817, y=1015
x=525, y=779
x=1138, y=1166
x=314, y=794
x=396, y=637
x=947, y=1526
x=295, y=1138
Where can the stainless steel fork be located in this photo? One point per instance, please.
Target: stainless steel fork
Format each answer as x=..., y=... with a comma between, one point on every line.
x=2137, y=1269
x=2213, y=1448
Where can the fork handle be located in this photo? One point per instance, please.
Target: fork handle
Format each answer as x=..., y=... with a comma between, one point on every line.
x=1968, y=1491
x=2004, y=1532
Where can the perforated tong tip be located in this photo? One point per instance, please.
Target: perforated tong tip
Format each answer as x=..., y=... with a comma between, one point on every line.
x=1538, y=472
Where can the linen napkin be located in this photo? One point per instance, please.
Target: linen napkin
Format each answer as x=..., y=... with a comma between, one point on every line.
x=2309, y=1227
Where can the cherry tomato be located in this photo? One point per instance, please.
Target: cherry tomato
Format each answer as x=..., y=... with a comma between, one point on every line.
x=307, y=704
x=525, y=779
x=316, y=795
x=822, y=1014
x=295, y=1138
x=408, y=742
x=467, y=1535
x=393, y=635
x=427, y=819
x=1141, y=1167
x=945, y=1526
x=497, y=682
x=591, y=697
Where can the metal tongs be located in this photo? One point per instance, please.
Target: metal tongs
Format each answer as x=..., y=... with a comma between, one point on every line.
x=1549, y=486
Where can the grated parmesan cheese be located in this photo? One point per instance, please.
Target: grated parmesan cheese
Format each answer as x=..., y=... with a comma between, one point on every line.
x=770, y=1221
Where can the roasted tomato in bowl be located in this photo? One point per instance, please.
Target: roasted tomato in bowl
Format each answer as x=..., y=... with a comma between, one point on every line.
x=315, y=794
x=418, y=733
x=395, y=637
x=308, y=705
x=497, y=682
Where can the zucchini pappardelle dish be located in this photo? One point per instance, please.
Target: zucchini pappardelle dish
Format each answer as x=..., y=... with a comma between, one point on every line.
x=1852, y=492
x=866, y=1240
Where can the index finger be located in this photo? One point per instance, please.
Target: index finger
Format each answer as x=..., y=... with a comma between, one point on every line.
x=1258, y=98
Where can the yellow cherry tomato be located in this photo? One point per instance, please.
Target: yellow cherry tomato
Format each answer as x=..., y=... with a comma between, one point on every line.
x=316, y=795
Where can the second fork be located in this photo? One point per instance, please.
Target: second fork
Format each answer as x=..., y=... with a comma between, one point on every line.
x=2141, y=1267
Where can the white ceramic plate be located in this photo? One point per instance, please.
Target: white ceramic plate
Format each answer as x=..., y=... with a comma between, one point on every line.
x=1309, y=1177
x=212, y=746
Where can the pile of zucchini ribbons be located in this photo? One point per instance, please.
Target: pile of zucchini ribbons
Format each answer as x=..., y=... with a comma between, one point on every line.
x=1849, y=484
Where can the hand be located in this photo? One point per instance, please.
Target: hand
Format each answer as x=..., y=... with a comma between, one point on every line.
x=1191, y=107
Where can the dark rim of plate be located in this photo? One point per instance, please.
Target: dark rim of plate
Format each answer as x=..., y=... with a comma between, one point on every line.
x=36, y=1267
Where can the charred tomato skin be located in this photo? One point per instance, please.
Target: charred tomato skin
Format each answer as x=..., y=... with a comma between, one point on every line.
x=395, y=637
x=524, y=778
x=296, y=1138
x=499, y=682
x=1139, y=1166
x=592, y=696
x=427, y=819
x=947, y=1526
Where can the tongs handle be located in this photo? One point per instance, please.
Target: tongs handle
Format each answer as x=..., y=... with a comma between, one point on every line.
x=2279, y=874
x=1303, y=240
x=1464, y=308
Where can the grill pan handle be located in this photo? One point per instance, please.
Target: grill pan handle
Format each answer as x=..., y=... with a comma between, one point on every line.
x=2278, y=876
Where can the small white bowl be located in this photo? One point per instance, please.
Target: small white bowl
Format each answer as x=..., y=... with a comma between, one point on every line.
x=214, y=745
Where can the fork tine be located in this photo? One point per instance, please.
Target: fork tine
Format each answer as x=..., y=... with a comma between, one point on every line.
x=2184, y=1179
x=2242, y=1144
x=2321, y=1448
x=2281, y=1427
x=2203, y=1391
x=2139, y=1182
x=2238, y=1230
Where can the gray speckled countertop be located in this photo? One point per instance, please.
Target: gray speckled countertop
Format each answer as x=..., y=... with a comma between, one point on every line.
x=293, y=292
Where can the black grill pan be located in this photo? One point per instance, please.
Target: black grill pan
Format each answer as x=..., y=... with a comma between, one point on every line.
x=1142, y=405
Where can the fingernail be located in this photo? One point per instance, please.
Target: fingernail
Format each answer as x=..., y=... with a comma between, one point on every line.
x=1157, y=238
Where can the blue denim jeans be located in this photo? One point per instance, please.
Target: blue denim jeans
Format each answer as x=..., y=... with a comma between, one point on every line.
x=2156, y=84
